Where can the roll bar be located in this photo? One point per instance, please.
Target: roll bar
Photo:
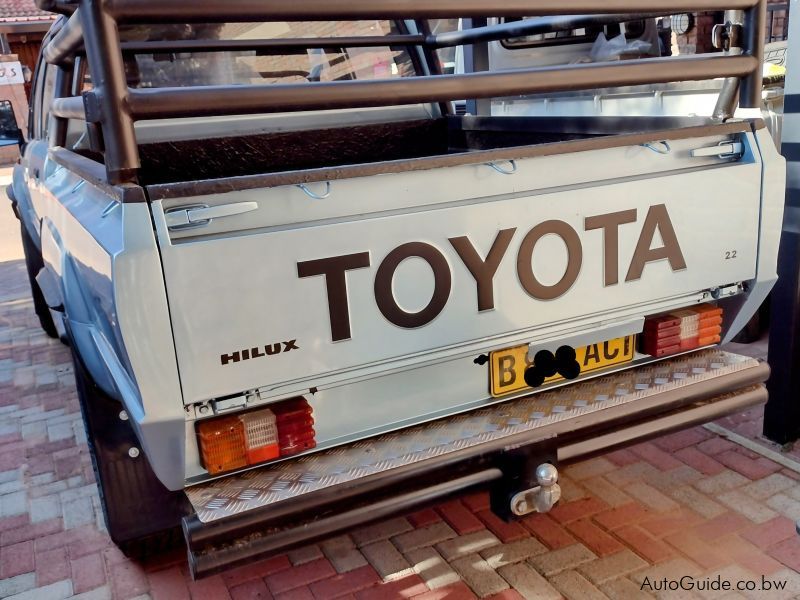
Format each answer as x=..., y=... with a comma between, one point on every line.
x=111, y=108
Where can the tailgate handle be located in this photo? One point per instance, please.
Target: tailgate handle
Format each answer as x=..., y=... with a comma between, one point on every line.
x=200, y=215
x=726, y=149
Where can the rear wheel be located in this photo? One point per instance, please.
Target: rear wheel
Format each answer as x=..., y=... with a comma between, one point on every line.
x=142, y=516
x=34, y=263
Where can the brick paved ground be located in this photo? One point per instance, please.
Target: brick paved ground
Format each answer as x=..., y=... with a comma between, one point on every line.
x=691, y=503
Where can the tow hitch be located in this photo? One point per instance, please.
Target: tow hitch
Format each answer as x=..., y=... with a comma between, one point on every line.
x=541, y=498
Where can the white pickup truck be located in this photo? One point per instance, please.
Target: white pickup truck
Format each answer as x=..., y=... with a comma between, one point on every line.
x=302, y=293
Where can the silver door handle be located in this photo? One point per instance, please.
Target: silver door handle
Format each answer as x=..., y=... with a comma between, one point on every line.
x=199, y=215
x=727, y=149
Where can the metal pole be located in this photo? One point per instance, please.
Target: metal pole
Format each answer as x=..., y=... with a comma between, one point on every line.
x=108, y=103
x=782, y=413
x=164, y=103
x=729, y=95
x=208, y=11
x=754, y=33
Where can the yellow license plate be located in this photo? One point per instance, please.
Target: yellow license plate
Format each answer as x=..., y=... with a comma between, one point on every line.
x=507, y=367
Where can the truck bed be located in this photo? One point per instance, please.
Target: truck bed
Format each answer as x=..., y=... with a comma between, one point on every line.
x=277, y=152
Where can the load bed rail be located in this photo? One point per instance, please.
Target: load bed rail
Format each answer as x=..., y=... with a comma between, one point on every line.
x=112, y=107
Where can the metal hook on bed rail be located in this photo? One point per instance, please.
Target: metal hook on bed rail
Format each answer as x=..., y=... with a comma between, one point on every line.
x=661, y=147
x=311, y=194
x=501, y=170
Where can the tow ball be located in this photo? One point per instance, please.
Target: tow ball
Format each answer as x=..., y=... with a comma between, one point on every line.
x=540, y=498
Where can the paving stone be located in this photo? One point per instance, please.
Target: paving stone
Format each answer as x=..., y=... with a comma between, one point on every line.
x=459, y=517
x=59, y=431
x=479, y=576
x=617, y=517
x=380, y=531
x=547, y=531
x=505, y=531
x=770, y=533
x=432, y=568
x=386, y=560
x=769, y=486
x=607, y=492
x=650, y=496
x=706, y=554
x=55, y=591
x=590, y=468
x=345, y=583
x=425, y=536
x=290, y=579
x=15, y=585
x=755, y=510
x=700, y=503
x=342, y=554
x=506, y=554
x=786, y=506
x=631, y=473
x=305, y=554
x=560, y=560
x=752, y=468
x=661, y=460
x=101, y=593
x=623, y=589
x=407, y=587
x=722, y=482
x=78, y=512
x=575, y=586
x=672, y=569
x=610, y=567
x=467, y=544
x=577, y=509
x=424, y=517
x=44, y=508
x=720, y=526
x=523, y=578
x=15, y=503
x=792, y=588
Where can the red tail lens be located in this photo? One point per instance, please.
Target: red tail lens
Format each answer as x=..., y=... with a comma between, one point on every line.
x=237, y=441
x=682, y=330
x=295, y=426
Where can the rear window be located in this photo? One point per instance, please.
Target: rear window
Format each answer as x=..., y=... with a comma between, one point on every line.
x=261, y=66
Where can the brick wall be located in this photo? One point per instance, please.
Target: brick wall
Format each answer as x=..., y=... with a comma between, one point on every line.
x=698, y=40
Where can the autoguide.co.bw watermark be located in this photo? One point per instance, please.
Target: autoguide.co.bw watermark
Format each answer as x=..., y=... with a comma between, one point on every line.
x=715, y=584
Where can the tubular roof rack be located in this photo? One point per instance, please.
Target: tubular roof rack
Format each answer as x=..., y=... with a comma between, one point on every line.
x=111, y=108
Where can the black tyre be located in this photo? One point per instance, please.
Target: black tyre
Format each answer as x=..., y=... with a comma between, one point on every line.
x=142, y=516
x=34, y=263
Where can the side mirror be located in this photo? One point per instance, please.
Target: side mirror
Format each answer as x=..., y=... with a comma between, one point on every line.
x=10, y=132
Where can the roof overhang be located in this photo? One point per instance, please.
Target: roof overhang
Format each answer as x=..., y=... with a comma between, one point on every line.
x=38, y=26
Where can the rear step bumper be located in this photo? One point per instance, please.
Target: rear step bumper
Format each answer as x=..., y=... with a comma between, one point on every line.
x=259, y=512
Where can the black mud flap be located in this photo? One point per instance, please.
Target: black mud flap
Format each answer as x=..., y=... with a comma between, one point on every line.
x=142, y=516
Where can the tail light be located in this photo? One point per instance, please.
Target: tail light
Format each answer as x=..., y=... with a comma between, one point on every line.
x=234, y=442
x=682, y=330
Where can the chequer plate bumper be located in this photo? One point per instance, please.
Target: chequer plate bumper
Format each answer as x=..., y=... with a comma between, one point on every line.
x=259, y=488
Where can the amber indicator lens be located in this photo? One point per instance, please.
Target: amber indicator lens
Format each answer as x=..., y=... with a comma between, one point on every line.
x=222, y=444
